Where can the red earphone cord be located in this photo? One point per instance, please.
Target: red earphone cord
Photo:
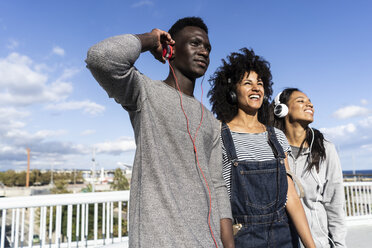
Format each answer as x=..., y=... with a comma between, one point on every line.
x=195, y=150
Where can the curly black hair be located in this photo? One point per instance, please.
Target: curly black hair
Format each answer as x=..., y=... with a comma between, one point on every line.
x=185, y=22
x=232, y=70
x=317, y=150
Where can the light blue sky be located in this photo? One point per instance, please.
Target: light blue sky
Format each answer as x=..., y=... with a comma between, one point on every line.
x=50, y=103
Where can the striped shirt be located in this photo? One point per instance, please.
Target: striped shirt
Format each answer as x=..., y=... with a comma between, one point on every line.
x=251, y=147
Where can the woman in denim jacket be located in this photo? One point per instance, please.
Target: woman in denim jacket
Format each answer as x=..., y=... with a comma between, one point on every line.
x=315, y=162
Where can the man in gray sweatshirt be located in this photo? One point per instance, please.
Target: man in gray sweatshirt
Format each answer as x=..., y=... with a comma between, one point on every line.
x=178, y=196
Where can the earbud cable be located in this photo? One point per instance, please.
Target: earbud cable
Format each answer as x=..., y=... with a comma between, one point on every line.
x=195, y=150
x=318, y=190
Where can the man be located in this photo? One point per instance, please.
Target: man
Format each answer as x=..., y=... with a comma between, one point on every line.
x=171, y=186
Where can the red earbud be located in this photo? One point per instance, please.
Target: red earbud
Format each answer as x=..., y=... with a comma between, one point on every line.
x=167, y=51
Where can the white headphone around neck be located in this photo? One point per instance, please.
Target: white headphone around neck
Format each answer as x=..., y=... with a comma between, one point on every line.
x=280, y=109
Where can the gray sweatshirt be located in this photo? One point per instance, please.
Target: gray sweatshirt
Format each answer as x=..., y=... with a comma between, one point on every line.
x=169, y=199
x=324, y=200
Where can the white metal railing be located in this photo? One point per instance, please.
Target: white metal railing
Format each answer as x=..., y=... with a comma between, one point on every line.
x=96, y=219
x=64, y=220
x=358, y=200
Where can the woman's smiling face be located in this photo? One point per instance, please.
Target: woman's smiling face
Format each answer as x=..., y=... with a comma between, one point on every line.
x=300, y=108
x=250, y=92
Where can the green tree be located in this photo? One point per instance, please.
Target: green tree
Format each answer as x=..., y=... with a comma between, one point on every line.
x=60, y=187
x=20, y=179
x=45, y=177
x=8, y=178
x=120, y=181
x=35, y=177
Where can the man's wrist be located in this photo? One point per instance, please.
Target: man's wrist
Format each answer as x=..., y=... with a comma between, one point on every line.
x=148, y=41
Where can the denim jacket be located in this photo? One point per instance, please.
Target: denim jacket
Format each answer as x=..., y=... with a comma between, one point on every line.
x=324, y=198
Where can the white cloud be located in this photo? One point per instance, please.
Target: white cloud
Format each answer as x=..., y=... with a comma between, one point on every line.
x=350, y=111
x=19, y=136
x=364, y=101
x=366, y=123
x=58, y=50
x=14, y=141
x=340, y=131
x=88, y=132
x=68, y=73
x=10, y=119
x=10, y=113
x=116, y=147
x=23, y=83
x=43, y=134
x=17, y=74
x=367, y=147
x=87, y=107
x=142, y=3
x=57, y=91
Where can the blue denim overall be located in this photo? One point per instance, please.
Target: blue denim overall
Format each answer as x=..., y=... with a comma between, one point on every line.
x=258, y=196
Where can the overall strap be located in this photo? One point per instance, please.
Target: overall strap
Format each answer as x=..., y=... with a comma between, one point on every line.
x=228, y=142
x=274, y=143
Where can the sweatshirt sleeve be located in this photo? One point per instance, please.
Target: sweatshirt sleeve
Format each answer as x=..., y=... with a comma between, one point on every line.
x=223, y=199
x=111, y=62
x=335, y=198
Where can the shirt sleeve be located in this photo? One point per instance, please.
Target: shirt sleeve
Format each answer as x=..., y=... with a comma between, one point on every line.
x=111, y=62
x=282, y=139
x=334, y=198
x=226, y=168
x=223, y=200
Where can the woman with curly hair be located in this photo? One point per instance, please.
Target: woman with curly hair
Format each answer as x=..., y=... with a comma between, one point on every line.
x=255, y=156
x=315, y=162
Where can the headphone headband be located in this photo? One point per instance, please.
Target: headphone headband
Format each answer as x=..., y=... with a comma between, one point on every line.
x=277, y=98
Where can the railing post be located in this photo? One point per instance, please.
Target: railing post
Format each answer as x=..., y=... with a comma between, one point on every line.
x=112, y=222
x=348, y=200
x=365, y=206
x=359, y=210
x=50, y=226
x=86, y=223
x=103, y=222
x=352, y=200
x=42, y=225
x=31, y=227
x=58, y=225
x=120, y=224
x=69, y=225
x=82, y=222
x=95, y=223
x=77, y=224
x=16, y=233
x=3, y=227
x=23, y=227
x=108, y=221
x=12, y=229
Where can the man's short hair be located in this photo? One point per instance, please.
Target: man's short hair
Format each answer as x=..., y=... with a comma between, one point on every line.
x=185, y=22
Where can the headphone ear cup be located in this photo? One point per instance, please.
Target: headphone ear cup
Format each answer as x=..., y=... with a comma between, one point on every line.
x=167, y=51
x=232, y=98
x=281, y=110
x=170, y=52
